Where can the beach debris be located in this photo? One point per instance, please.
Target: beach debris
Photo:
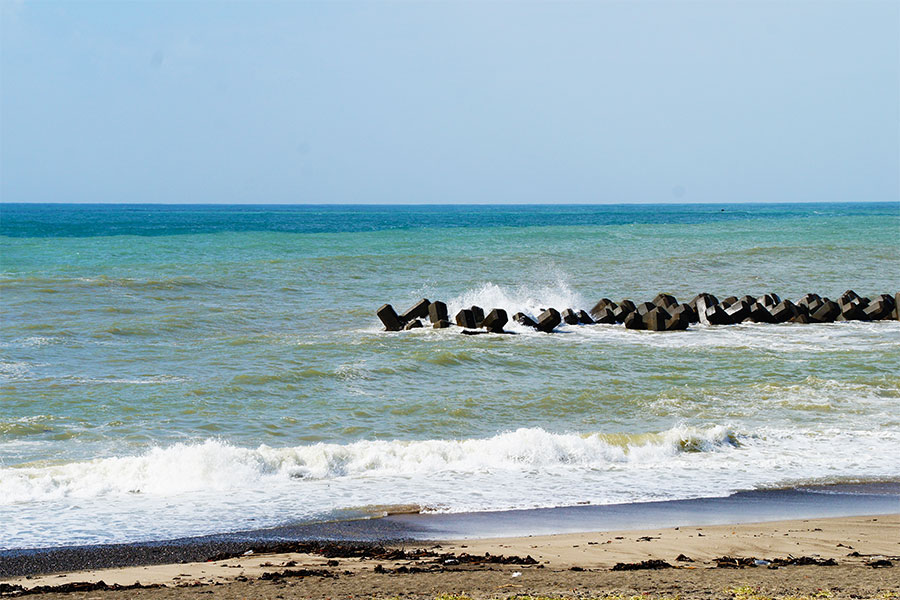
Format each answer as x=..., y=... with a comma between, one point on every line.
x=880, y=564
x=731, y=562
x=75, y=586
x=804, y=561
x=10, y=588
x=517, y=574
x=643, y=565
x=290, y=573
x=683, y=558
x=492, y=558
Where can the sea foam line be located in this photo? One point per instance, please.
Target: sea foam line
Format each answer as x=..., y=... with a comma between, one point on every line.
x=218, y=465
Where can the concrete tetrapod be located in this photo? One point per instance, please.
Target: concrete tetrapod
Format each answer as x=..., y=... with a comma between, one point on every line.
x=523, y=319
x=495, y=320
x=548, y=320
x=389, y=318
x=437, y=311
x=478, y=313
x=656, y=319
x=569, y=316
x=465, y=318
x=418, y=311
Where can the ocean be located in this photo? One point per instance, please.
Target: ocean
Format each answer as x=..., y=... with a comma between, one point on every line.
x=172, y=371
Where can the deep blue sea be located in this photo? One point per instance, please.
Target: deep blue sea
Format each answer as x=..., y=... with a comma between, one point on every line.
x=178, y=370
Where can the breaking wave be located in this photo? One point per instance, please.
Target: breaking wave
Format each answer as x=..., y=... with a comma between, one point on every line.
x=219, y=466
x=526, y=298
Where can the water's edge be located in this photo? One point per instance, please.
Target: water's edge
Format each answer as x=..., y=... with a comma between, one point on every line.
x=743, y=507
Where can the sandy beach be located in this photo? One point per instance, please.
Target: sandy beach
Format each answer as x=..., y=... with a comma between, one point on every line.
x=846, y=557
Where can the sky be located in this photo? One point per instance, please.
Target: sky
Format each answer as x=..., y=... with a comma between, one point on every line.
x=449, y=102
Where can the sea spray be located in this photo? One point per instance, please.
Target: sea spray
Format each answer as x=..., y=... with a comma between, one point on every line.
x=530, y=299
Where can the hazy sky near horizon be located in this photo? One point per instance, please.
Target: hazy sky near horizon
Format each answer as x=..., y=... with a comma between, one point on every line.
x=449, y=102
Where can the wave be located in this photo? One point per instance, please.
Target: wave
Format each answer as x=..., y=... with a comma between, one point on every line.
x=217, y=465
x=530, y=299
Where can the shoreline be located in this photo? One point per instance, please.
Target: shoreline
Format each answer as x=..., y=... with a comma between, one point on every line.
x=759, y=506
x=845, y=557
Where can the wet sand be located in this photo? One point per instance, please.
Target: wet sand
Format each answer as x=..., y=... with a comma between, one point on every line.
x=845, y=557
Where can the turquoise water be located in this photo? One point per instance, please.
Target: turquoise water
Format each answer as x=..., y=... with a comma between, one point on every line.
x=164, y=364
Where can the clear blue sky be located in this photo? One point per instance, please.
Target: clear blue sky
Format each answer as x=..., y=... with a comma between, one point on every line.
x=456, y=102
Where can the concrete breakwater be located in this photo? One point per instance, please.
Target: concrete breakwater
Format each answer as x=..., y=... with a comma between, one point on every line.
x=663, y=313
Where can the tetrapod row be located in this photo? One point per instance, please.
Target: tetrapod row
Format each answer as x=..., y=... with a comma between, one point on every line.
x=663, y=313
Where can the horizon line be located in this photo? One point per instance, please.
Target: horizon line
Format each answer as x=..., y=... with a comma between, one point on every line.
x=423, y=204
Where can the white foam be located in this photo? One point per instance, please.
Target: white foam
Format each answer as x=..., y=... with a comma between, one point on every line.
x=218, y=466
x=14, y=370
x=172, y=491
x=529, y=299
